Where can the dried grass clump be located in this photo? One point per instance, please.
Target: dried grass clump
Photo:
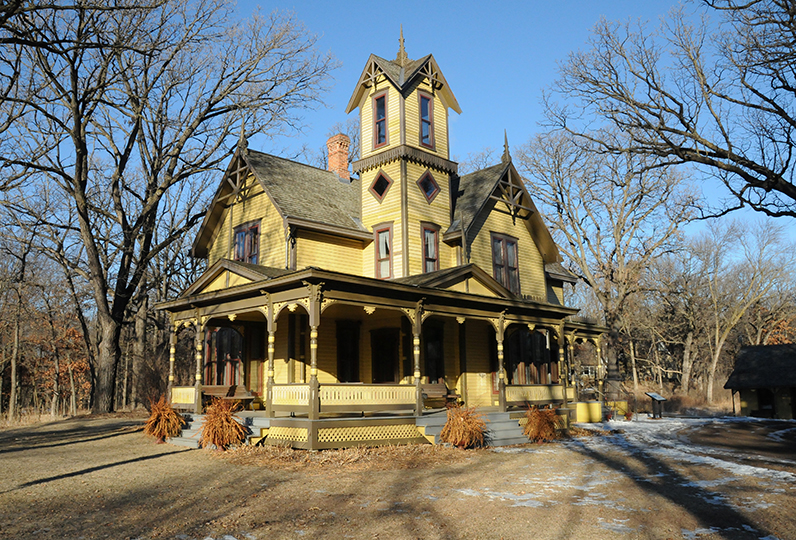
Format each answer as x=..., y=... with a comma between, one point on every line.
x=464, y=428
x=388, y=458
x=163, y=420
x=542, y=425
x=220, y=428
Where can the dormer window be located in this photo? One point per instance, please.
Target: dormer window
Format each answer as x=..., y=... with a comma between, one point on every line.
x=247, y=242
x=428, y=186
x=426, y=121
x=380, y=186
x=380, y=120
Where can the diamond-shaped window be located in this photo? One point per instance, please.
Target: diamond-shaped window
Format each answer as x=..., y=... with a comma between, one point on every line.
x=428, y=186
x=380, y=186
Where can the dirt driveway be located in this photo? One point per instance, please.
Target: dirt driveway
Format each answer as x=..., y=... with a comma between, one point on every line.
x=101, y=478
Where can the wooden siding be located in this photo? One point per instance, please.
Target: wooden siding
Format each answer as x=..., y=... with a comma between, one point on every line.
x=478, y=376
x=255, y=206
x=412, y=112
x=531, y=265
x=328, y=252
x=393, y=117
x=375, y=212
x=419, y=209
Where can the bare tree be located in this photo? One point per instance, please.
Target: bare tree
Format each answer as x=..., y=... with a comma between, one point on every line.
x=122, y=105
x=611, y=215
x=721, y=97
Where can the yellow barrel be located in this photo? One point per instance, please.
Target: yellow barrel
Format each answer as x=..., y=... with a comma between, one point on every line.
x=595, y=411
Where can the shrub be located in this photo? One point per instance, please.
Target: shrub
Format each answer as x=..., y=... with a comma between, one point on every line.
x=541, y=424
x=163, y=420
x=464, y=428
x=220, y=427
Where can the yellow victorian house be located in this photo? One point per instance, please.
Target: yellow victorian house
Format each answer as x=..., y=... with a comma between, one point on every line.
x=344, y=309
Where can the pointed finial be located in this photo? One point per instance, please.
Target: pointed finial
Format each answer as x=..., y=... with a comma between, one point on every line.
x=243, y=144
x=506, y=155
x=401, y=58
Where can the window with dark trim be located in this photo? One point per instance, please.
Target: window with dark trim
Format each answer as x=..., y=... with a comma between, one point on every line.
x=505, y=262
x=430, y=247
x=247, y=242
x=426, y=120
x=383, y=239
x=380, y=186
x=428, y=186
x=380, y=120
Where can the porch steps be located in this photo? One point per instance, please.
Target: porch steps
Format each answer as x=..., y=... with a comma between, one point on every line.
x=258, y=426
x=501, y=429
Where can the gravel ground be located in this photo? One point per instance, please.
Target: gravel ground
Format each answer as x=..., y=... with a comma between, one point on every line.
x=100, y=477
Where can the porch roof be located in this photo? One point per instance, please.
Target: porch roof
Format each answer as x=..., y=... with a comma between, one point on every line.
x=365, y=291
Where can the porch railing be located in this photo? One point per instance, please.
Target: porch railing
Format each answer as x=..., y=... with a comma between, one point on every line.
x=343, y=397
x=366, y=397
x=290, y=397
x=537, y=393
x=183, y=397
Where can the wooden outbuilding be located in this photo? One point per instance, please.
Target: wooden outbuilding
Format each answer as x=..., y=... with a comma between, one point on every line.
x=765, y=378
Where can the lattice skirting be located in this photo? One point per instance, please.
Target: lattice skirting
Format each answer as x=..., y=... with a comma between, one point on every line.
x=292, y=434
x=368, y=433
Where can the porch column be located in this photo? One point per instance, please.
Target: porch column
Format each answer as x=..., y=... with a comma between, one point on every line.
x=315, y=319
x=172, y=353
x=198, y=343
x=270, y=326
x=600, y=374
x=417, y=327
x=562, y=344
x=500, y=328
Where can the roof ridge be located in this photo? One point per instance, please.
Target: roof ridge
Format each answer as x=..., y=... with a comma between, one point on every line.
x=293, y=161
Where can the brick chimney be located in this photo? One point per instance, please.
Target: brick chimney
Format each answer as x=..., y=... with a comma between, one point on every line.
x=338, y=155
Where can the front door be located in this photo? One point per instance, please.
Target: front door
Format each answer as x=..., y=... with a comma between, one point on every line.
x=384, y=354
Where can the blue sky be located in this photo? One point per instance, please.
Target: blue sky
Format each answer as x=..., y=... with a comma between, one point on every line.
x=496, y=56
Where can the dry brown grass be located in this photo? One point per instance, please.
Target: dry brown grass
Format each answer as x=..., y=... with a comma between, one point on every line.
x=416, y=456
x=163, y=420
x=542, y=425
x=220, y=428
x=464, y=428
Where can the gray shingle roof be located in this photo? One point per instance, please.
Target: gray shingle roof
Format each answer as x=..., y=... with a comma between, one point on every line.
x=764, y=366
x=305, y=192
x=475, y=189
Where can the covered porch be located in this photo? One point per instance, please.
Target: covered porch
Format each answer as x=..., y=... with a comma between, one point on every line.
x=313, y=350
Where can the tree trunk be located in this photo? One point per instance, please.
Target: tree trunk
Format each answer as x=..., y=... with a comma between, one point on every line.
x=612, y=380
x=633, y=365
x=73, y=401
x=712, y=373
x=139, y=353
x=107, y=364
x=685, y=379
x=12, y=398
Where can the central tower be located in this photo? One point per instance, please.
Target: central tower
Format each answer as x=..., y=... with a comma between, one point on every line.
x=405, y=170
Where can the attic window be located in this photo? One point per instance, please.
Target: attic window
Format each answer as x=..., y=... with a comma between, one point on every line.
x=247, y=242
x=426, y=121
x=380, y=120
x=380, y=186
x=428, y=186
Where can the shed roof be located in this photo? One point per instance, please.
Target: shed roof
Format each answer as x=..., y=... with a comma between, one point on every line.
x=764, y=366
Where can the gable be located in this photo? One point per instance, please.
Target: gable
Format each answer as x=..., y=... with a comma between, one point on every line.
x=468, y=278
x=401, y=74
x=224, y=274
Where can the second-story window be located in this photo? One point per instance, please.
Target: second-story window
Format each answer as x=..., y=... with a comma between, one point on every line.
x=383, y=239
x=430, y=247
x=505, y=262
x=380, y=120
x=426, y=121
x=247, y=243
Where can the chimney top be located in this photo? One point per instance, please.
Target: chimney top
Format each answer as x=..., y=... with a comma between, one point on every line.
x=337, y=146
